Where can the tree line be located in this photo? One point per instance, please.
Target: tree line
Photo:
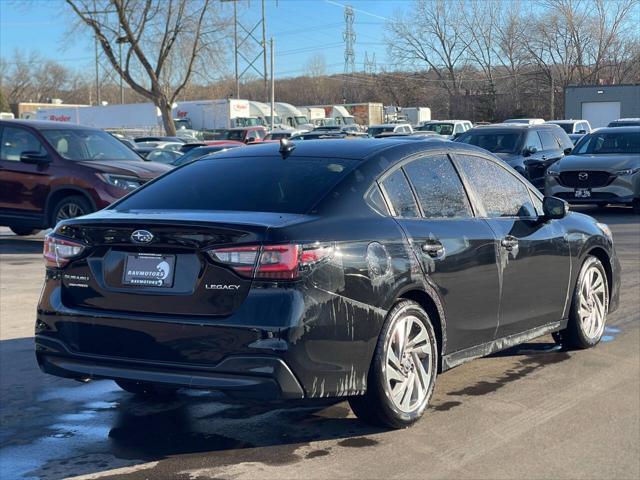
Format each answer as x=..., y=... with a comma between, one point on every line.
x=473, y=59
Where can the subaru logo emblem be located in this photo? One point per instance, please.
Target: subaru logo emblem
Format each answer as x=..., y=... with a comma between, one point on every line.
x=142, y=236
x=583, y=176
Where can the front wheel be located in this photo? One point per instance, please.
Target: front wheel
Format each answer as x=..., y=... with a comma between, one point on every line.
x=23, y=231
x=589, y=306
x=403, y=371
x=636, y=206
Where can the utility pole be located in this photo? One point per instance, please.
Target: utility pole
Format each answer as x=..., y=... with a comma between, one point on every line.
x=95, y=47
x=245, y=41
x=349, y=37
x=273, y=87
x=553, y=98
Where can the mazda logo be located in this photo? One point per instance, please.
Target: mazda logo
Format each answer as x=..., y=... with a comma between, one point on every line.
x=142, y=236
x=583, y=176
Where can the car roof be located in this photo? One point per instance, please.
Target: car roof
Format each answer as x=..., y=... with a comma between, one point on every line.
x=390, y=125
x=557, y=122
x=514, y=126
x=356, y=149
x=45, y=124
x=630, y=128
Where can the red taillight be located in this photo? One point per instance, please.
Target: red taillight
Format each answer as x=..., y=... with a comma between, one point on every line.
x=270, y=262
x=58, y=252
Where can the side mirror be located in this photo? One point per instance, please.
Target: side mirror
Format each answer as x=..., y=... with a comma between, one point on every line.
x=554, y=208
x=34, y=158
x=568, y=150
x=529, y=151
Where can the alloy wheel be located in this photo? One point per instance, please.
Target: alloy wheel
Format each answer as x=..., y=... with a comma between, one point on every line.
x=408, y=371
x=69, y=210
x=592, y=307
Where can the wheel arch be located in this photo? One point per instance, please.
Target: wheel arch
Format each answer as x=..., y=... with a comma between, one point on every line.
x=61, y=192
x=602, y=255
x=433, y=306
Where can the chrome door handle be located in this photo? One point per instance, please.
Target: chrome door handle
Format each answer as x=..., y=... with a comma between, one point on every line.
x=509, y=242
x=433, y=248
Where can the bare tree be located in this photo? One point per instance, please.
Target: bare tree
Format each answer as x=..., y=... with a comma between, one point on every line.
x=431, y=36
x=163, y=42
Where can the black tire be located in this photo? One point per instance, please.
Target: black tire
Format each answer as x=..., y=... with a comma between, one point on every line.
x=636, y=206
x=575, y=335
x=146, y=389
x=23, y=231
x=70, y=207
x=376, y=406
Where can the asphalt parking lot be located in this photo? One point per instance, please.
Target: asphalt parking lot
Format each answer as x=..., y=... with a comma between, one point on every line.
x=531, y=412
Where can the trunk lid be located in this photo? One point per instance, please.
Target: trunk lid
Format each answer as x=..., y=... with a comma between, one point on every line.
x=170, y=274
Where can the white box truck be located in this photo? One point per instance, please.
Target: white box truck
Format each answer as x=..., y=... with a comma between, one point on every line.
x=416, y=115
x=135, y=116
x=262, y=112
x=215, y=114
x=292, y=117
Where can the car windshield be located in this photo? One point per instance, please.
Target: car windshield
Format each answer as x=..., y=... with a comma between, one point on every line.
x=237, y=135
x=301, y=119
x=439, y=128
x=567, y=127
x=259, y=184
x=495, y=142
x=608, y=142
x=199, y=152
x=81, y=145
x=373, y=131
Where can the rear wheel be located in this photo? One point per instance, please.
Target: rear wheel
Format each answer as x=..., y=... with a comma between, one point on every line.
x=70, y=207
x=23, y=231
x=146, y=389
x=588, y=314
x=403, y=371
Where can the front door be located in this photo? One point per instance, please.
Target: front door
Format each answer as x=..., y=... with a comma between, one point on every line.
x=455, y=249
x=533, y=254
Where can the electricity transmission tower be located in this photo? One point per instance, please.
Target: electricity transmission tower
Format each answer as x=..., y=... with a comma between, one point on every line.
x=349, y=37
x=247, y=35
x=369, y=63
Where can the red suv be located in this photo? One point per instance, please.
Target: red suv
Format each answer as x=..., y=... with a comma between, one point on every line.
x=50, y=172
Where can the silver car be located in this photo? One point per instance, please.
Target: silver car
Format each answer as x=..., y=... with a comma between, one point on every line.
x=604, y=168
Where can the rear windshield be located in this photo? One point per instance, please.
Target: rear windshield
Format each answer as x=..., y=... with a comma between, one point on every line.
x=496, y=142
x=258, y=184
x=439, y=128
x=609, y=142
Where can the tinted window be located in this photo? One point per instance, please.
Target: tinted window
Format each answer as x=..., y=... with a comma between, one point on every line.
x=375, y=200
x=400, y=195
x=567, y=127
x=496, y=142
x=609, y=142
x=262, y=184
x=500, y=192
x=439, y=128
x=438, y=187
x=533, y=140
x=549, y=142
x=15, y=141
x=76, y=144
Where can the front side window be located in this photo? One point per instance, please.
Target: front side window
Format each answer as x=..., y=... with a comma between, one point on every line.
x=548, y=140
x=438, y=187
x=16, y=141
x=400, y=195
x=500, y=191
x=81, y=145
x=533, y=140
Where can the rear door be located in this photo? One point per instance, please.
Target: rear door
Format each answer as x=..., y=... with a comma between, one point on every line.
x=533, y=254
x=455, y=249
x=23, y=187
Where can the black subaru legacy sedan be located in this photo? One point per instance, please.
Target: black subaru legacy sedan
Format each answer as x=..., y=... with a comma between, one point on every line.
x=333, y=268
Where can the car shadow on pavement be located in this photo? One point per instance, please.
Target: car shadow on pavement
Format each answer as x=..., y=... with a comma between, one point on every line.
x=12, y=245
x=54, y=428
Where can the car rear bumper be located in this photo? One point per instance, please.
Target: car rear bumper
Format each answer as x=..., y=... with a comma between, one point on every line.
x=249, y=376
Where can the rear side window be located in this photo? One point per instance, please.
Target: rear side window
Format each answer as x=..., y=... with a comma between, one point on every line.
x=500, y=192
x=400, y=195
x=258, y=184
x=438, y=187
